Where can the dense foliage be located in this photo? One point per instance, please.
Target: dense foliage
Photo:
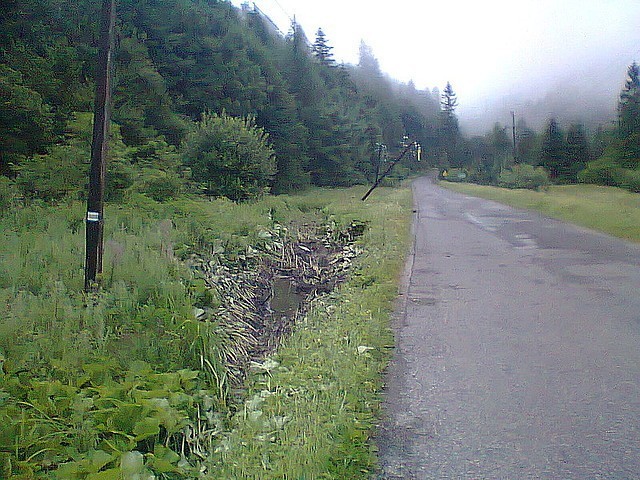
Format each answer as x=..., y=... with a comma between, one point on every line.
x=137, y=380
x=229, y=156
x=176, y=59
x=140, y=379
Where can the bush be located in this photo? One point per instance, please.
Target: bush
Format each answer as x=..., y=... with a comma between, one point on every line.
x=230, y=157
x=454, y=175
x=63, y=171
x=8, y=194
x=626, y=178
x=600, y=171
x=612, y=170
x=524, y=176
x=161, y=186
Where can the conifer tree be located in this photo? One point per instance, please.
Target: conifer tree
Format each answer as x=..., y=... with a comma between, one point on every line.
x=449, y=129
x=577, y=153
x=629, y=119
x=322, y=50
x=449, y=101
x=368, y=63
x=553, y=152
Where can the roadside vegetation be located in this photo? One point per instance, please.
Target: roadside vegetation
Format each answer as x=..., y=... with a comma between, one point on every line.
x=608, y=209
x=149, y=376
x=560, y=154
x=234, y=333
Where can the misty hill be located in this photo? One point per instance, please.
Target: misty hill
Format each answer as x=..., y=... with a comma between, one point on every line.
x=586, y=95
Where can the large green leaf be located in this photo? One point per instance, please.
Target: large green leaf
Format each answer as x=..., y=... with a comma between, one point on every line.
x=111, y=474
x=164, y=460
x=147, y=427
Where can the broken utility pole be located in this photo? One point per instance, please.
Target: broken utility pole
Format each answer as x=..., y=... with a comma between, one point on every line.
x=393, y=164
x=102, y=110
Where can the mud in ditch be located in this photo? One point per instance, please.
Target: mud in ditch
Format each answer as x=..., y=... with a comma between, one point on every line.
x=257, y=305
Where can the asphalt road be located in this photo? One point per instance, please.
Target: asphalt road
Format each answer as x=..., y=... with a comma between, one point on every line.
x=518, y=348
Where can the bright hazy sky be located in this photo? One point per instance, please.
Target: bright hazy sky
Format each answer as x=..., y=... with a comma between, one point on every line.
x=480, y=46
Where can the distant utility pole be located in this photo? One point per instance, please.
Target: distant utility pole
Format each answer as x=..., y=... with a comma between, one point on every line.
x=381, y=147
x=515, y=147
x=101, y=118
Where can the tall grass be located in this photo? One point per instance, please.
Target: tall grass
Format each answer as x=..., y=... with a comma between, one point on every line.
x=312, y=406
x=607, y=209
x=65, y=353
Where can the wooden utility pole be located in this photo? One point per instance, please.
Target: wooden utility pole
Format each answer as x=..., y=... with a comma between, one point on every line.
x=381, y=146
x=515, y=145
x=101, y=118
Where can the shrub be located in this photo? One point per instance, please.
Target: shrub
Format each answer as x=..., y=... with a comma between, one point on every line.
x=7, y=194
x=454, y=175
x=626, y=178
x=63, y=171
x=161, y=186
x=600, y=171
x=120, y=176
x=524, y=176
x=230, y=157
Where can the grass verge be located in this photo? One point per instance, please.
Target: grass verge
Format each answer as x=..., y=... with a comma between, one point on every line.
x=96, y=386
x=607, y=209
x=312, y=406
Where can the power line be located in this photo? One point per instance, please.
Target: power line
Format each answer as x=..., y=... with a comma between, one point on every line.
x=291, y=19
x=260, y=11
x=267, y=18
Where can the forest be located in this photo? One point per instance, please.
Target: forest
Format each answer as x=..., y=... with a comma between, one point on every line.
x=187, y=69
x=516, y=156
x=184, y=69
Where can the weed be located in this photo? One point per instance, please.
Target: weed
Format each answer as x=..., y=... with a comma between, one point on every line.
x=130, y=380
x=311, y=412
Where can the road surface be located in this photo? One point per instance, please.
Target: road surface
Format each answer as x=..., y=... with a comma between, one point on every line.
x=518, y=348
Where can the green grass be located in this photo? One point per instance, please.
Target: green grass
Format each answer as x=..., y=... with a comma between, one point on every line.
x=607, y=209
x=312, y=406
x=96, y=382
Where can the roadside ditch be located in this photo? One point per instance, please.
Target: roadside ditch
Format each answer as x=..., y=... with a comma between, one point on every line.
x=256, y=298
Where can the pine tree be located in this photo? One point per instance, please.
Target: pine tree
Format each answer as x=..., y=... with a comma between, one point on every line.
x=322, y=50
x=449, y=129
x=577, y=153
x=629, y=119
x=368, y=63
x=527, y=143
x=449, y=101
x=553, y=152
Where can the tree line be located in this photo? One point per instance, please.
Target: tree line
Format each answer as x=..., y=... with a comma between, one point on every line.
x=560, y=154
x=212, y=99
x=207, y=98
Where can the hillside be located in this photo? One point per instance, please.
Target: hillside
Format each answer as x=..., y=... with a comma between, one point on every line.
x=175, y=60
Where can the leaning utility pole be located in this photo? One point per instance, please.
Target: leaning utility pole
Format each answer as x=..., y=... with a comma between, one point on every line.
x=101, y=118
x=393, y=164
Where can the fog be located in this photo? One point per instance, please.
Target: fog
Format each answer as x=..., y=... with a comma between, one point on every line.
x=585, y=93
x=539, y=58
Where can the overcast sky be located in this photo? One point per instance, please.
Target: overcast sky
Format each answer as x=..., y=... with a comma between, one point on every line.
x=484, y=48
